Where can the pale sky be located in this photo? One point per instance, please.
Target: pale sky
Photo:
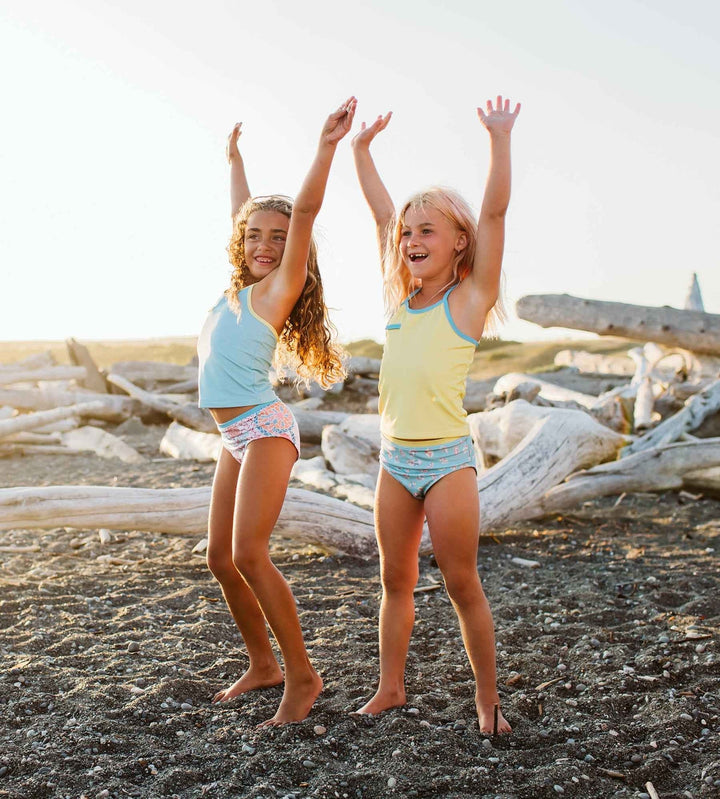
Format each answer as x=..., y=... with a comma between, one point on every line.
x=114, y=200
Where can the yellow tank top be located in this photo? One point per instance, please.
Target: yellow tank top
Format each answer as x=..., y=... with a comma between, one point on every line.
x=423, y=373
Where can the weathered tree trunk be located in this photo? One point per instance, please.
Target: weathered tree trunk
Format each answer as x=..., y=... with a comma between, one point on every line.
x=80, y=356
x=365, y=367
x=189, y=415
x=186, y=444
x=155, y=371
x=108, y=407
x=102, y=443
x=349, y=455
x=657, y=469
x=691, y=416
x=311, y=423
x=692, y=330
x=549, y=391
x=554, y=448
x=33, y=421
x=46, y=373
x=306, y=517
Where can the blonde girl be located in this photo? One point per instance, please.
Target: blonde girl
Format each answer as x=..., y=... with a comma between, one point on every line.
x=274, y=303
x=441, y=274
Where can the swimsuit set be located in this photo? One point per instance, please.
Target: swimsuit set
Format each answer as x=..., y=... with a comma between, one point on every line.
x=235, y=351
x=424, y=427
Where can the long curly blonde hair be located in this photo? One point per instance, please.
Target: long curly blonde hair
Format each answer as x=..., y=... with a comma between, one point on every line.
x=307, y=342
x=398, y=282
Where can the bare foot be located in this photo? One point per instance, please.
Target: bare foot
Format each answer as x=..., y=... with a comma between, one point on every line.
x=491, y=720
x=383, y=700
x=299, y=696
x=252, y=679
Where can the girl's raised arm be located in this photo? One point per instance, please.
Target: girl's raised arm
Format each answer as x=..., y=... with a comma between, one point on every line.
x=287, y=282
x=239, y=189
x=499, y=121
x=373, y=188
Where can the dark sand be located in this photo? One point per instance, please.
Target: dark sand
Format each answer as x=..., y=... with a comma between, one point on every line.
x=607, y=661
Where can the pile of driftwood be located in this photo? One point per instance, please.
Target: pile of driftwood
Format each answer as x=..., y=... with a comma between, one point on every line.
x=646, y=421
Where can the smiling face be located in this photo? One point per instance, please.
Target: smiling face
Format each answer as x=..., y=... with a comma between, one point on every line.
x=429, y=242
x=264, y=241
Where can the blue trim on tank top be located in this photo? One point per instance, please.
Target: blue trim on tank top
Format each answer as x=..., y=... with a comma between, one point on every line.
x=444, y=302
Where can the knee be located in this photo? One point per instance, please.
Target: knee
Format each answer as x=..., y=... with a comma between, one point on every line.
x=464, y=588
x=398, y=580
x=250, y=562
x=221, y=565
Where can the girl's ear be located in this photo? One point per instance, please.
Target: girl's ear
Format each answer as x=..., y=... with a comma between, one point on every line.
x=461, y=242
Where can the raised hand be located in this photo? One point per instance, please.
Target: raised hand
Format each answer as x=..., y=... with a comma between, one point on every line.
x=339, y=122
x=232, y=151
x=368, y=132
x=499, y=119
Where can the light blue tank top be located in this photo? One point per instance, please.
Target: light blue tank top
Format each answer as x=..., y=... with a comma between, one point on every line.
x=235, y=351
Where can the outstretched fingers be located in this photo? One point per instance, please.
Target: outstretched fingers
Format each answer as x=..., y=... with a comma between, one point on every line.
x=232, y=142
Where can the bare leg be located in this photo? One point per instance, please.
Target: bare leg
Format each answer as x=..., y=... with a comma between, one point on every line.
x=263, y=669
x=398, y=524
x=262, y=485
x=453, y=515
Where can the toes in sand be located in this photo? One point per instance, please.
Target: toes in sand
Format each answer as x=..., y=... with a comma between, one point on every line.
x=250, y=681
x=491, y=720
x=298, y=699
x=383, y=700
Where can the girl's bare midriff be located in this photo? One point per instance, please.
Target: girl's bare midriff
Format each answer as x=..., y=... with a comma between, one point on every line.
x=222, y=415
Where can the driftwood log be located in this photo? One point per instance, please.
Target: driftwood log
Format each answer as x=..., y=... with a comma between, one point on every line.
x=657, y=469
x=188, y=415
x=692, y=330
x=8, y=377
x=42, y=419
x=106, y=407
x=306, y=517
x=80, y=356
x=697, y=408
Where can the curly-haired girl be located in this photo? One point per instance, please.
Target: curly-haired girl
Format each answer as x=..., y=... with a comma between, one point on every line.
x=275, y=302
x=441, y=273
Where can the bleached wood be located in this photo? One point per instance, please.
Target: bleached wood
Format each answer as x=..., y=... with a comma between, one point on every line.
x=549, y=391
x=365, y=426
x=311, y=423
x=554, y=448
x=644, y=397
x=696, y=409
x=156, y=371
x=692, y=330
x=80, y=356
x=7, y=378
x=36, y=449
x=694, y=300
x=111, y=408
x=306, y=517
x=365, y=367
x=496, y=433
x=102, y=443
x=188, y=415
x=592, y=362
x=187, y=444
x=42, y=419
x=37, y=361
x=347, y=454
x=657, y=469
x=707, y=480
x=32, y=438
